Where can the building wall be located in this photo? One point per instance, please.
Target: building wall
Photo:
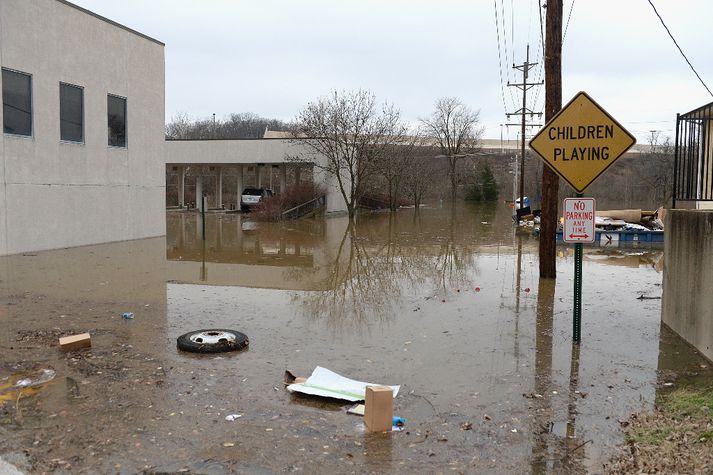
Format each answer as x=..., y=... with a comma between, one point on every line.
x=708, y=176
x=251, y=151
x=688, y=277
x=64, y=194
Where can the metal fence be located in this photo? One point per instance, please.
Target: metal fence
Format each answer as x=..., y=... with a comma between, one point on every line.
x=305, y=209
x=693, y=167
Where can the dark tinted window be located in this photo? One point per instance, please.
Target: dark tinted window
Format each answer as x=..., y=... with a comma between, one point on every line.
x=252, y=191
x=16, y=103
x=71, y=113
x=116, y=120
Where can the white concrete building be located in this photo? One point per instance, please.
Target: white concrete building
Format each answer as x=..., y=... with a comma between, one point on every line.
x=247, y=155
x=82, y=148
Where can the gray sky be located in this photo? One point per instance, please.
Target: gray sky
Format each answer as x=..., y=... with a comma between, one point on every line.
x=273, y=56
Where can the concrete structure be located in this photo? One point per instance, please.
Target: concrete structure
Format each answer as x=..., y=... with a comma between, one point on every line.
x=687, y=306
x=243, y=154
x=59, y=193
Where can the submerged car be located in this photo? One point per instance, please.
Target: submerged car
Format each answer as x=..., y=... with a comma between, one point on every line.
x=251, y=197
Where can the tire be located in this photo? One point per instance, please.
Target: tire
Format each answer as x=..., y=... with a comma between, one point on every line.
x=212, y=340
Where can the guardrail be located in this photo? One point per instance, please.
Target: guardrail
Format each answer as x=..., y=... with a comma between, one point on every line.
x=306, y=208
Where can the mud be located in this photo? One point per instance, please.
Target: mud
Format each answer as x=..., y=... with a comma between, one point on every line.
x=445, y=302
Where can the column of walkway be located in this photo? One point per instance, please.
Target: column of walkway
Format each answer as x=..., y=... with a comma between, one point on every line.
x=219, y=183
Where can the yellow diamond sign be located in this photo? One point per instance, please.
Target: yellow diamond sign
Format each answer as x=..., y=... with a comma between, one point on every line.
x=581, y=142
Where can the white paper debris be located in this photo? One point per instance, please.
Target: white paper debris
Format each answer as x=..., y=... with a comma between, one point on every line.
x=326, y=383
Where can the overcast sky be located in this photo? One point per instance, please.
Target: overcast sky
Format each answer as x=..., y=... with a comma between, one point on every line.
x=273, y=56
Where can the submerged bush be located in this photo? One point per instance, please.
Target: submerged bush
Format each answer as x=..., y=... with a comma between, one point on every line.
x=271, y=208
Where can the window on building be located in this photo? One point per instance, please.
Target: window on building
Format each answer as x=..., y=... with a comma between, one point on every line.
x=71, y=113
x=116, y=119
x=16, y=103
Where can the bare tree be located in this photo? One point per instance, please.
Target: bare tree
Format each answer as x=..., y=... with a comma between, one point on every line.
x=396, y=165
x=454, y=128
x=244, y=125
x=352, y=133
x=659, y=162
x=179, y=127
x=418, y=178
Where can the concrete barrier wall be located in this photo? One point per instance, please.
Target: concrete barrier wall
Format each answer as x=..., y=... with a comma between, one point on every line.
x=688, y=277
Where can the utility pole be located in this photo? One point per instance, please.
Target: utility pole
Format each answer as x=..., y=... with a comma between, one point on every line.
x=524, y=112
x=553, y=104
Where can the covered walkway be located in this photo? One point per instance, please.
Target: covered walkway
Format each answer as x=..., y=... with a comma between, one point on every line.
x=222, y=169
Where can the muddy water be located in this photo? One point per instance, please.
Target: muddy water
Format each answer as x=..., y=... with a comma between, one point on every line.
x=445, y=302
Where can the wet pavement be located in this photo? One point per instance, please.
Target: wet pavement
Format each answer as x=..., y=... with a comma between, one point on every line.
x=445, y=302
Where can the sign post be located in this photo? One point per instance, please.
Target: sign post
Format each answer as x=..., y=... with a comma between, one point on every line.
x=579, y=144
x=578, y=228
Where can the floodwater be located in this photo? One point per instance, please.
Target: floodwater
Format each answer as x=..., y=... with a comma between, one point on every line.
x=445, y=302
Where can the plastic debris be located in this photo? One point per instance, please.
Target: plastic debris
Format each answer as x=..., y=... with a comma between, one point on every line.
x=233, y=417
x=398, y=421
x=43, y=376
x=127, y=315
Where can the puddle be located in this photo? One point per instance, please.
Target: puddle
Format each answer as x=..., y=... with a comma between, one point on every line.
x=446, y=302
x=24, y=384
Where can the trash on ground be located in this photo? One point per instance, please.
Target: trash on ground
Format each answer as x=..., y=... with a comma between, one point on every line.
x=646, y=297
x=356, y=409
x=75, y=342
x=379, y=408
x=42, y=376
x=212, y=341
x=398, y=421
x=326, y=383
x=292, y=379
x=233, y=417
x=127, y=315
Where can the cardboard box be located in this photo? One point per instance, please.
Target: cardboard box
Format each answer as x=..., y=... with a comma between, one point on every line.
x=75, y=342
x=378, y=408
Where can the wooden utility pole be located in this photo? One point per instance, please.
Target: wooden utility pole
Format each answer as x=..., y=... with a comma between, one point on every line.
x=524, y=112
x=553, y=103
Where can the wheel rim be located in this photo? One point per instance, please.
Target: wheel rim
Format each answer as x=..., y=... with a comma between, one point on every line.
x=212, y=337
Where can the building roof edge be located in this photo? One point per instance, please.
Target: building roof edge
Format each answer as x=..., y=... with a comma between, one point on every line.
x=111, y=22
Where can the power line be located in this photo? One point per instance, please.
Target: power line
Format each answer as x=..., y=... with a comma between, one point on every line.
x=541, y=48
x=542, y=35
x=567, y=25
x=505, y=42
x=500, y=61
x=679, y=48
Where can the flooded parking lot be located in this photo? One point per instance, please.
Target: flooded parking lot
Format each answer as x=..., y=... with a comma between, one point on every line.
x=445, y=302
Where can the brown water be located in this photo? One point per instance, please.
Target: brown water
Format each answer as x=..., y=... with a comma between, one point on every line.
x=391, y=300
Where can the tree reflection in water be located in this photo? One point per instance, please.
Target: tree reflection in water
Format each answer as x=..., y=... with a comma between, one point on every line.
x=385, y=261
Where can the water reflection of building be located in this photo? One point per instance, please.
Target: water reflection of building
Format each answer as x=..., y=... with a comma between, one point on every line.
x=241, y=252
x=360, y=269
